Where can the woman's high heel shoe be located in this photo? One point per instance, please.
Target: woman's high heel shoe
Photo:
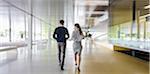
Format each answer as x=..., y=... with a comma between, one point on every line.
x=78, y=69
x=75, y=64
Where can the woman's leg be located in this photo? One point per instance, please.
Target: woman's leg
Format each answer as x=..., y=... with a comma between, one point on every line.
x=79, y=61
x=75, y=56
x=79, y=58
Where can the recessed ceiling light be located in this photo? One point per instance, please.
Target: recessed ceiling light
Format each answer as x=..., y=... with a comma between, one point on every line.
x=147, y=7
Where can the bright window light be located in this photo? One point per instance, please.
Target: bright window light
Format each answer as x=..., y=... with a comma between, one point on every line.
x=147, y=7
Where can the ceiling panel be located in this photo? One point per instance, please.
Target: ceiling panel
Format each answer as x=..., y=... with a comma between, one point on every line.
x=97, y=15
x=100, y=8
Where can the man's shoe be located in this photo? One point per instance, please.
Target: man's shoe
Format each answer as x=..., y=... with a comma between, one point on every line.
x=62, y=68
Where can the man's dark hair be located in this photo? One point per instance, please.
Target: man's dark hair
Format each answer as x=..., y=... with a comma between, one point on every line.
x=62, y=22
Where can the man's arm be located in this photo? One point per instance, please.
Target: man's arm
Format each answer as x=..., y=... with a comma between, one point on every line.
x=67, y=33
x=54, y=35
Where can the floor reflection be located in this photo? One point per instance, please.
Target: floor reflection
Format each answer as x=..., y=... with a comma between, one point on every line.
x=43, y=60
x=76, y=71
x=88, y=45
x=7, y=57
x=12, y=55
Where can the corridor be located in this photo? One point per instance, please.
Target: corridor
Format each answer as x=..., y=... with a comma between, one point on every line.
x=115, y=35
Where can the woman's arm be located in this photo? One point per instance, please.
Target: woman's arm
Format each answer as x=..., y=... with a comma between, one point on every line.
x=72, y=36
x=81, y=37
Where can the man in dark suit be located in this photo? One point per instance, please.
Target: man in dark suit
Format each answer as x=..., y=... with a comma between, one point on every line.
x=61, y=35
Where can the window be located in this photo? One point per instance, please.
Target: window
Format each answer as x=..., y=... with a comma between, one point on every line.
x=4, y=25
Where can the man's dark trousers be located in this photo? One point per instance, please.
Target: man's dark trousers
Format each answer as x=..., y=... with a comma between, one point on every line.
x=61, y=51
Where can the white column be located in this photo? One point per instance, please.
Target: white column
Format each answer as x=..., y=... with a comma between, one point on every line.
x=30, y=26
x=69, y=12
x=49, y=25
x=56, y=11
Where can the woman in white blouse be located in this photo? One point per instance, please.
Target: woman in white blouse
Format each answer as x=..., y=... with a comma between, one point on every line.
x=77, y=37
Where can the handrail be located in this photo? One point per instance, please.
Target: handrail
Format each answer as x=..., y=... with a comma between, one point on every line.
x=8, y=48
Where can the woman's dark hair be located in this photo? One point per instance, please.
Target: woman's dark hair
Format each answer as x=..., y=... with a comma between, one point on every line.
x=80, y=30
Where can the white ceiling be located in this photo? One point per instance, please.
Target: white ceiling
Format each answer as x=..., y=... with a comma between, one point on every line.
x=41, y=8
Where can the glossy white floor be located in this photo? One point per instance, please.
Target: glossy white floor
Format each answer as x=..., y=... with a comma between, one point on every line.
x=96, y=59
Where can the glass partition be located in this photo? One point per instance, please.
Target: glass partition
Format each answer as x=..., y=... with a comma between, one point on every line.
x=17, y=25
x=129, y=24
x=4, y=25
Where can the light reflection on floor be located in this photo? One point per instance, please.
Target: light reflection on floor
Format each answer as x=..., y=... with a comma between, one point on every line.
x=96, y=59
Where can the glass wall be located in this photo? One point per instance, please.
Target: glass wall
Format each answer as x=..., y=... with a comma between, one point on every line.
x=14, y=24
x=28, y=21
x=4, y=25
x=17, y=25
x=148, y=29
x=129, y=24
x=120, y=21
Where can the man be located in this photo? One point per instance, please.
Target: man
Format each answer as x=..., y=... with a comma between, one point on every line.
x=61, y=35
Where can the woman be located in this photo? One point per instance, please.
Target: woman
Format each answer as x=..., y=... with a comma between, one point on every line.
x=77, y=36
